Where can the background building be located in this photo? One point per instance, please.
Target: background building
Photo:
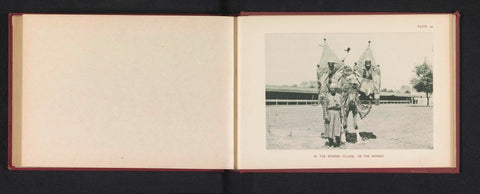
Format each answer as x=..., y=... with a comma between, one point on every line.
x=288, y=95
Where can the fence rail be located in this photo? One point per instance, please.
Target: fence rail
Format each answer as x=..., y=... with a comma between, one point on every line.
x=290, y=102
x=300, y=101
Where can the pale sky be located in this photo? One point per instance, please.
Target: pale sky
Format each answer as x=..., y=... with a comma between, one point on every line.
x=292, y=58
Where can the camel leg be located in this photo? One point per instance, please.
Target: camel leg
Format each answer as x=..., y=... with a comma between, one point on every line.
x=343, y=136
x=345, y=119
x=377, y=99
x=355, y=125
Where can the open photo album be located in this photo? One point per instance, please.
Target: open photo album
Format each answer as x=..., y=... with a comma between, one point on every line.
x=258, y=92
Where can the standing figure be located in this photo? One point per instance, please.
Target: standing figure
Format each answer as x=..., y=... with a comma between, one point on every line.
x=333, y=118
x=324, y=79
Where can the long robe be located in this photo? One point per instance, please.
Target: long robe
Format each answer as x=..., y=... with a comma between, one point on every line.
x=334, y=127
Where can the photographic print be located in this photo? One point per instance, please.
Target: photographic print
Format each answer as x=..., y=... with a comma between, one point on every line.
x=349, y=91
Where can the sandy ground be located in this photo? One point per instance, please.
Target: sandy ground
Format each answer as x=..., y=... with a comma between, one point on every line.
x=397, y=126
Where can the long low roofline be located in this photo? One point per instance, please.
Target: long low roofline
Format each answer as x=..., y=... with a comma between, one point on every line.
x=305, y=90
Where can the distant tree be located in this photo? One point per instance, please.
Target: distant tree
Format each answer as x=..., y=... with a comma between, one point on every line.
x=304, y=84
x=384, y=90
x=390, y=90
x=294, y=85
x=405, y=89
x=423, y=81
x=407, y=92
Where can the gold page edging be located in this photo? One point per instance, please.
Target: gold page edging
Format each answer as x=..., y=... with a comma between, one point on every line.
x=235, y=92
x=17, y=61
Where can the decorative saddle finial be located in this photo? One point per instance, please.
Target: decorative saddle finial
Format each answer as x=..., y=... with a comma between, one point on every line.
x=348, y=49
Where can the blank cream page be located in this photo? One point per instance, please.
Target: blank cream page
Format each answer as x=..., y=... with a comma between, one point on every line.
x=298, y=141
x=127, y=91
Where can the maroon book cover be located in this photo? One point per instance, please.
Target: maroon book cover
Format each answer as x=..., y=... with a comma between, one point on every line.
x=329, y=170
